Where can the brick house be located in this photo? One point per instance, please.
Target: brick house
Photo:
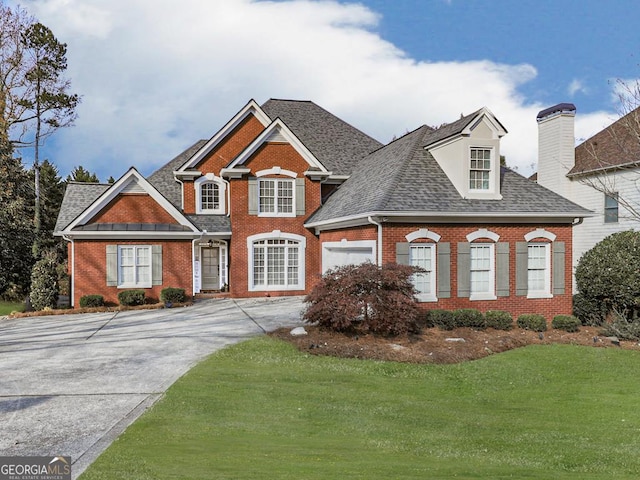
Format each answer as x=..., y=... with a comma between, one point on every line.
x=286, y=190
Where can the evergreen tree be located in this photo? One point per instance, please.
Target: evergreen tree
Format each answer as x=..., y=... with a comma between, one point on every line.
x=16, y=225
x=52, y=191
x=79, y=174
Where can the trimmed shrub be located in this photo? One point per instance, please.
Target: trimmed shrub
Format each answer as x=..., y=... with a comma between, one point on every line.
x=469, y=317
x=609, y=274
x=130, y=298
x=589, y=311
x=443, y=319
x=364, y=297
x=498, y=320
x=568, y=323
x=44, y=284
x=532, y=321
x=173, y=295
x=91, y=301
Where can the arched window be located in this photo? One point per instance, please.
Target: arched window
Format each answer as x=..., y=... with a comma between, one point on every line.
x=210, y=194
x=276, y=261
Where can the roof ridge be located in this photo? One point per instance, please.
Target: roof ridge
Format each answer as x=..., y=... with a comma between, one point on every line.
x=411, y=149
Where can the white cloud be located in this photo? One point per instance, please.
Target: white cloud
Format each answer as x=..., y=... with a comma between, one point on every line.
x=157, y=76
x=576, y=86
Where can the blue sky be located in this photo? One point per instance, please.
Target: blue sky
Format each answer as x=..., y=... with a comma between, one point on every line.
x=158, y=75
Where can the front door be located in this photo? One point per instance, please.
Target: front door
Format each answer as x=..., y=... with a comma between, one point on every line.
x=211, y=268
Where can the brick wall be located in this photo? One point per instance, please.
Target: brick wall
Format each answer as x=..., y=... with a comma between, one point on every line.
x=133, y=208
x=90, y=276
x=243, y=225
x=228, y=149
x=394, y=233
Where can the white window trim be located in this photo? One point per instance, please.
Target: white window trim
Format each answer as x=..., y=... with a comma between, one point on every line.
x=428, y=297
x=222, y=187
x=546, y=293
x=422, y=233
x=292, y=213
x=491, y=294
x=492, y=166
x=135, y=284
x=483, y=233
x=540, y=233
x=278, y=235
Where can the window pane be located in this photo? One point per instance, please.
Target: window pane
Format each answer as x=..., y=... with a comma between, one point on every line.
x=537, y=275
x=258, y=265
x=480, y=268
x=275, y=265
x=285, y=196
x=480, y=168
x=210, y=196
x=292, y=266
x=421, y=256
x=267, y=196
x=611, y=208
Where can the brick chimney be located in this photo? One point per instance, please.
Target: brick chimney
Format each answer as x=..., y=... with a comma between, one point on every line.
x=556, y=147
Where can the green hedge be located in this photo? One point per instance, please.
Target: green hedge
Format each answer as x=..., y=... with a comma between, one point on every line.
x=173, y=295
x=568, y=323
x=470, y=318
x=130, y=298
x=443, y=319
x=498, y=320
x=89, y=301
x=532, y=321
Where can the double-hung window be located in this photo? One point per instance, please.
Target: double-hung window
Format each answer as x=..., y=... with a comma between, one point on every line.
x=482, y=270
x=611, y=208
x=479, y=168
x=276, y=196
x=134, y=266
x=538, y=270
x=276, y=263
x=422, y=255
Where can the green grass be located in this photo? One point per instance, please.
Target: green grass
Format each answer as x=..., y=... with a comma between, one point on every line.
x=261, y=410
x=7, y=307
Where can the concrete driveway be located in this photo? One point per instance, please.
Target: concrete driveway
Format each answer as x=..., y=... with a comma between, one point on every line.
x=69, y=385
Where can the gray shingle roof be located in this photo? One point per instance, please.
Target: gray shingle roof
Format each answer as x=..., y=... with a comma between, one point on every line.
x=211, y=223
x=77, y=197
x=163, y=180
x=335, y=143
x=404, y=177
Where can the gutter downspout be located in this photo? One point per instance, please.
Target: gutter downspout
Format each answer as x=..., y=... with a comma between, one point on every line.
x=66, y=238
x=379, y=246
x=193, y=260
x=577, y=221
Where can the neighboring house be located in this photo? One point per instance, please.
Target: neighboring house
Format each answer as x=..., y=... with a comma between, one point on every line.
x=601, y=174
x=286, y=190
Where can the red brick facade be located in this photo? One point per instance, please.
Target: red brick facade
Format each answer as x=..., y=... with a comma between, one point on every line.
x=89, y=256
x=89, y=273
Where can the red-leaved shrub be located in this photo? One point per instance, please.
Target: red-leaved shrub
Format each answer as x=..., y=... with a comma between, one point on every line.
x=364, y=298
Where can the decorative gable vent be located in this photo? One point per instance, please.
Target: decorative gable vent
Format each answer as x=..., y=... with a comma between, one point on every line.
x=133, y=187
x=276, y=136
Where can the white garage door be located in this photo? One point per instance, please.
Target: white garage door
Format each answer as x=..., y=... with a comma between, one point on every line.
x=337, y=254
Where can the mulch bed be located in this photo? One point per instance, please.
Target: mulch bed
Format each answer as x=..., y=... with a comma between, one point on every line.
x=438, y=346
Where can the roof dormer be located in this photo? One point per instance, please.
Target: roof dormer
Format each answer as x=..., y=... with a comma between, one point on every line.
x=469, y=154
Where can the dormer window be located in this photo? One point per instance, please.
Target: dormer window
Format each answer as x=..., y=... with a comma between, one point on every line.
x=210, y=194
x=480, y=169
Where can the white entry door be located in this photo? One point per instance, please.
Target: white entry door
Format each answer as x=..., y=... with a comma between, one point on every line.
x=211, y=268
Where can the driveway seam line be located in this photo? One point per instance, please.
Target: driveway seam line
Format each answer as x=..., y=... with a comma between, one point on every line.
x=249, y=316
x=104, y=325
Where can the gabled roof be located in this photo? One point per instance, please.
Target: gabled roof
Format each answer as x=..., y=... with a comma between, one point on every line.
x=462, y=126
x=277, y=129
x=335, y=143
x=132, y=180
x=251, y=108
x=617, y=146
x=77, y=197
x=164, y=180
x=403, y=179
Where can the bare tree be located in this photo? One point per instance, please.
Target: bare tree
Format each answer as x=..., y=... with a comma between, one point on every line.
x=615, y=149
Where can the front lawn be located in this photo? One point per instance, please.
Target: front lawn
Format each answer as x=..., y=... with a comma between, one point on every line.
x=7, y=307
x=263, y=410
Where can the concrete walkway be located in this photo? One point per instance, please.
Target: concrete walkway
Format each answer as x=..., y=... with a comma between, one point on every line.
x=69, y=385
